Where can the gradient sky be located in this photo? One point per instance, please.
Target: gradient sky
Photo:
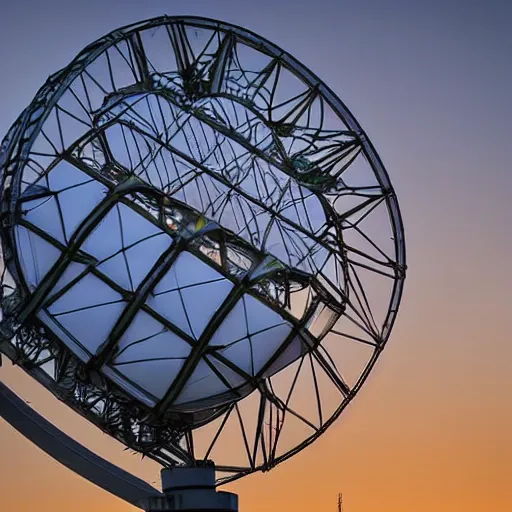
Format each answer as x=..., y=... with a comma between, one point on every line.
x=431, y=84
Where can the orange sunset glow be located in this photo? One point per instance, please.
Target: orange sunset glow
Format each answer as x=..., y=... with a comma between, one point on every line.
x=431, y=429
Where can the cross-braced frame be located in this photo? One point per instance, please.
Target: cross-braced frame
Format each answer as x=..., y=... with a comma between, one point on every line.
x=188, y=162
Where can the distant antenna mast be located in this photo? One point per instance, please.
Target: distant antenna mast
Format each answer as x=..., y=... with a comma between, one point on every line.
x=340, y=502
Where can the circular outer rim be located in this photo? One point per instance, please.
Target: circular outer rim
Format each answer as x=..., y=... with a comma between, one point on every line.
x=50, y=92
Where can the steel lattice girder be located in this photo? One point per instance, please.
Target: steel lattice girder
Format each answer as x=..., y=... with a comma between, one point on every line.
x=209, y=79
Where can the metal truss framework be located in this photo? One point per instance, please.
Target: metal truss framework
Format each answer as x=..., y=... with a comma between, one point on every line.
x=233, y=155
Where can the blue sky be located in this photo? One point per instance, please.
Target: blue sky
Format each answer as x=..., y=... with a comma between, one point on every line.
x=431, y=84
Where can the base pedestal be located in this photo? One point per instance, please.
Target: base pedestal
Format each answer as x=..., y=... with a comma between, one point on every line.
x=191, y=490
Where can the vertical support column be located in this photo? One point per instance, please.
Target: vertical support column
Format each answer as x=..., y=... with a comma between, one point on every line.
x=191, y=489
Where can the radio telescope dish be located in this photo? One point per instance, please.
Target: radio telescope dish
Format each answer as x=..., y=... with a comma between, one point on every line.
x=203, y=253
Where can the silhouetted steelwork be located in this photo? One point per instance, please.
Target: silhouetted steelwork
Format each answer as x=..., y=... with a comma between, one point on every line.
x=72, y=454
x=201, y=245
